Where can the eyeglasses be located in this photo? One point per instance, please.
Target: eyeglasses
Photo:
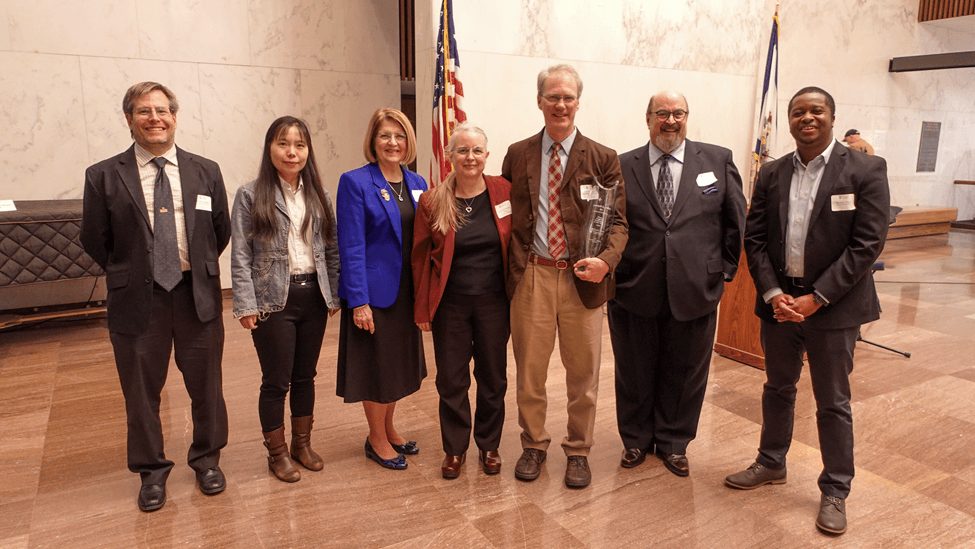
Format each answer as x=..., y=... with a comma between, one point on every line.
x=679, y=115
x=389, y=137
x=476, y=151
x=556, y=99
x=147, y=112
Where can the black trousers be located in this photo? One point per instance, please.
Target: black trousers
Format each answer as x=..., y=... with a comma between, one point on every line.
x=662, y=367
x=467, y=326
x=288, y=344
x=143, y=364
x=830, y=364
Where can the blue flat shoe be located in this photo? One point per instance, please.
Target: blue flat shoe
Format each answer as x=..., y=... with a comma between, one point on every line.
x=408, y=448
x=398, y=463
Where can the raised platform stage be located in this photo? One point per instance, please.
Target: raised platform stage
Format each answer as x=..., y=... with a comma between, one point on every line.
x=922, y=221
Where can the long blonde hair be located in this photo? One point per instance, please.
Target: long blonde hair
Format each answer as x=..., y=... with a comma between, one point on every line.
x=443, y=207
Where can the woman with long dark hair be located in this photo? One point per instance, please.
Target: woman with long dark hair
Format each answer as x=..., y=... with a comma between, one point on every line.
x=380, y=350
x=460, y=258
x=285, y=267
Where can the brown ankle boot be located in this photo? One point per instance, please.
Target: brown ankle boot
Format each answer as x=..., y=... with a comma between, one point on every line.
x=278, y=460
x=301, y=444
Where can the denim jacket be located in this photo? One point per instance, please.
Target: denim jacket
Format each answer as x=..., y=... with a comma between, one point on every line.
x=260, y=270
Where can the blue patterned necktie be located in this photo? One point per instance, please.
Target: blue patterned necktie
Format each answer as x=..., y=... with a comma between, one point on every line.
x=165, y=252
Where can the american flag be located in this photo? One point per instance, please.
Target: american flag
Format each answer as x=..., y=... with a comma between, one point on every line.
x=448, y=94
x=767, y=121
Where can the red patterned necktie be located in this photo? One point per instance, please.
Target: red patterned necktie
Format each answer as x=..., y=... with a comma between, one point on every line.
x=556, y=230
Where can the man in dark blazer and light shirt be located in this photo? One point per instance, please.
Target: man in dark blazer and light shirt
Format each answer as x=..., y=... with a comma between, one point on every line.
x=817, y=223
x=156, y=219
x=686, y=214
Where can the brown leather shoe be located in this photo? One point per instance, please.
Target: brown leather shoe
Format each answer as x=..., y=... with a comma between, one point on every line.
x=278, y=460
x=633, y=457
x=529, y=465
x=301, y=444
x=577, y=474
x=756, y=475
x=832, y=515
x=490, y=461
x=675, y=463
x=450, y=468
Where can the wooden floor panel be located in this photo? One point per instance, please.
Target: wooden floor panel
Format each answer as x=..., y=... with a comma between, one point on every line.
x=65, y=484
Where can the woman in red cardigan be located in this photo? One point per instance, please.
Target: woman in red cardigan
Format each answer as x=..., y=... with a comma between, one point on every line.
x=460, y=260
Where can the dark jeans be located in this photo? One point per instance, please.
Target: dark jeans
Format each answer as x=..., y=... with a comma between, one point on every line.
x=288, y=344
x=467, y=326
x=830, y=364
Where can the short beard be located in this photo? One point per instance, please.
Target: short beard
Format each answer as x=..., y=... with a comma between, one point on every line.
x=662, y=143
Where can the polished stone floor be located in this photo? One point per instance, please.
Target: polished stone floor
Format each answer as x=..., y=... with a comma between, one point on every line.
x=63, y=481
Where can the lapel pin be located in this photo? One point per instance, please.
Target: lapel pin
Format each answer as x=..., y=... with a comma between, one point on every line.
x=384, y=194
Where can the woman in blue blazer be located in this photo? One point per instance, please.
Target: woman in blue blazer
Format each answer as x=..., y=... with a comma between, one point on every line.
x=380, y=349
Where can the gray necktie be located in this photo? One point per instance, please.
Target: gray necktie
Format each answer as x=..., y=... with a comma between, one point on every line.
x=665, y=186
x=165, y=252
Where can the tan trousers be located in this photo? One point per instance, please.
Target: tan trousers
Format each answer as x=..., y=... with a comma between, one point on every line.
x=546, y=303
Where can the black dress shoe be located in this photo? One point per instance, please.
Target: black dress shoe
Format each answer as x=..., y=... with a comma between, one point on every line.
x=408, y=448
x=675, y=463
x=152, y=497
x=211, y=481
x=632, y=457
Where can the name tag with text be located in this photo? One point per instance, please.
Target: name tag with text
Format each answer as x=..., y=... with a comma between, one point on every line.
x=503, y=209
x=203, y=202
x=705, y=179
x=588, y=192
x=842, y=202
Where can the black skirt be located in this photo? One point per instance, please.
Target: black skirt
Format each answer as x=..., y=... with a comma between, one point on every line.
x=389, y=364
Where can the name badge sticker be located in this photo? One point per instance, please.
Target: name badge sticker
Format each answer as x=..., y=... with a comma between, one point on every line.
x=503, y=209
x=705, y=179
x=588, y=192
x=203, y=203
x=416, y=195
x=842, y=202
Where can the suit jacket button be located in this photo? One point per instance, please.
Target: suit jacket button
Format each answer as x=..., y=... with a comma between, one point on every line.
x=667, y=233
x=663, y=259
x=148, y=281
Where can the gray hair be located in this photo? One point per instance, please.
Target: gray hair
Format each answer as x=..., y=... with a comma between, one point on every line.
x=563, y=68
x=465, y=127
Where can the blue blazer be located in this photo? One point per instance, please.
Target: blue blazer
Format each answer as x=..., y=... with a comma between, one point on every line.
x=370, y=235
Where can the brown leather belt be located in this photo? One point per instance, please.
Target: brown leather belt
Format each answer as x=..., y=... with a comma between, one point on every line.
x=561, y=264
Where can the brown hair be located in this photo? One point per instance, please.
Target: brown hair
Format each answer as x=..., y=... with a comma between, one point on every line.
x=136, y=91
x=368, y=144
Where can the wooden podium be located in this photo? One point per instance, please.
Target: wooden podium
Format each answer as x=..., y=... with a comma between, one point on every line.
x=738, y=328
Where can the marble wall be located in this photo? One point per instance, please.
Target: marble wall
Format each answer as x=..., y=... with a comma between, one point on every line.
x=235, y=65
x=714, y=52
